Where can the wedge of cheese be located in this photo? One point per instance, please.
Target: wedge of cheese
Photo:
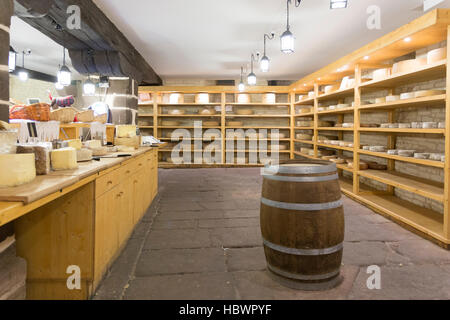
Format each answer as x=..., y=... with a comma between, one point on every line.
x=93, y=144
x=64, y=159
x=75, y=143
x=17, y=169
x=125, y=131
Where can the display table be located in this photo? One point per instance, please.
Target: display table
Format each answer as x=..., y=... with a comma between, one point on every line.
x=79, y=218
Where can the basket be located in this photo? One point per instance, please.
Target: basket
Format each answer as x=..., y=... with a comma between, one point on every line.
x=85, y=116
x=63, y=115
x=36, y=112
x=103, y=118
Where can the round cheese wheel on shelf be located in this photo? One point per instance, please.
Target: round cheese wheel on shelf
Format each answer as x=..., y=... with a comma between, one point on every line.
x=407, y=95
x=301, y=136
x=392, y=152
x=377, y=149
x=392, y=98
x=207, y=112
x=430, y=125
x=211, y=123
x=17, y=169
x=380, y=100
x=269, y=98
x=332, y=88
x=441, y=125
x=235, y=123
x=304, y=124
x=436, y=156
x=243, y=98
x=177, y=112
x=408, y=65
x=406, y=153
x=244, y=112
x=202, y=98
x=423, y=156
x=436, y=55
x=381, y=74
x=64, y=159
x=170, y=123
x=428, y=93
x=404, y=125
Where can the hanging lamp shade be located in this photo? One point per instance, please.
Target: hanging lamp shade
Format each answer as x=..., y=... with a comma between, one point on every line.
x=287, y=42
x=64, y=76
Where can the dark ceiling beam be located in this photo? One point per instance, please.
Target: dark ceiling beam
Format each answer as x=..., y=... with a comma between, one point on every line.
x=96, y=36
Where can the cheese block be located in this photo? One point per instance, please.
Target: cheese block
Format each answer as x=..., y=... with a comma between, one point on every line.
x=392, y=152
x=381, y=74
x=406, y=153
x=436, y=55
x=408, y=65
x=8, y=141
x=436, y=156
x=125, y=131
x=16, y=169
x=423, y=156
x=102, y=151
x=407, y=95
x=93, y=144
x=377, y=149
x=428, y=93
x=134, y=142
x=64, y=159
x=393, y=98
x=404, y=125
x=417, y=125
x=347, y=125
x=207, y=111
x=125, y=149
x=84, y=154
x=41, y=156
x=75, y=143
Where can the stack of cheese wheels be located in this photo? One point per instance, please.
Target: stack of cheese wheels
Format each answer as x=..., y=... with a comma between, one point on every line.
x=170, y=123
x=244, y=112
x=408, y=65
x=207, y=112
x=17, y=169
x=332, y=88
x=436, y=55
x=381, y=74
x=243, y=98
x=202, y=98
x=269, y=98
x=362, y=165
x=176, y=98
x=125, y=131
x=233, y=123
x=428, y=93
x=177, y=112
x=64, y=159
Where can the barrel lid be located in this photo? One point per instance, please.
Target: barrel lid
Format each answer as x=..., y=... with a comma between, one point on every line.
x=302, y=167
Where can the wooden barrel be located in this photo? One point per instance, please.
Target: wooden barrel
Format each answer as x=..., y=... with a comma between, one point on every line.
x=302, y=223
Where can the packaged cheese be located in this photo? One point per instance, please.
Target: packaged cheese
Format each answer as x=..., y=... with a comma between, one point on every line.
x=126, y=131
x=75, y=143
x=84, y=154
x=16, y=169
x=64, y=159
x=41, y=156
x=8, y=141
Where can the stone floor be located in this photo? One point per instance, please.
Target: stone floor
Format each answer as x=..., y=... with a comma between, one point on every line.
x=201, y=240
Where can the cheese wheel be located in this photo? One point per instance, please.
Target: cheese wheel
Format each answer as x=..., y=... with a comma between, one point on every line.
x=406, y=153
x=332, y=88
x=211, y=123
x=311, y=94
x=208, y=111
x=304, y=124
x=243, y=98
x=392, y=98
x=404, y=125
x=125, y=131
x=407, y=95
x=84, y=154
x=64, y=159
x=436, y=55
x=269, y=98
x=174, y=112
x=235, y=123
x=422, y=156
x=301, y=136
x=380, y=100
x=430, y=125
x=17, y=169
x=244, y=112
x=176, y=98
x=343, y=105
x=377, y=149
x=202, y=98
x=408, y=65
x=381, y=74
x=428, y=93
x=75, y=143
x=93, y=144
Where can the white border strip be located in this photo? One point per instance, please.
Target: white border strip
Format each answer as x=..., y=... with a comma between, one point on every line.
x=297, y=276
x=303, y=252
x=301, y=179
x=302, y=206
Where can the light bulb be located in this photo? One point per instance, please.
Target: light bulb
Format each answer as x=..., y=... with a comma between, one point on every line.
x=23, y=75
x=241, y=86
x=251, y=79
x=65, y=76
x=287, y=42
x=265, y=64
x=89, y=88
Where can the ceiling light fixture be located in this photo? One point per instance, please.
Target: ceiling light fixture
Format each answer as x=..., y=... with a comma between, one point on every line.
x=265, y=61
x=287, y=38
x=251, y=79
x=241, y=86
x=366, y=58
x=408, y=39
x=12, y=59
x=338, y=4
x=64, y=74
x=23, y=74
x=89, y=87
x=104, y=82
x=58, y=86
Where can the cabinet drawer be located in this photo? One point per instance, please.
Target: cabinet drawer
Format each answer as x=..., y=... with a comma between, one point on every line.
x=126, y=171
x=106, y=182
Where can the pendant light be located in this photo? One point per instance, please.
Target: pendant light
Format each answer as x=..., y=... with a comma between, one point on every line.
x=23, y=74
x=241, y=86
x=251, y=79
x=287, y=38
x=12, y=59
x=265, y=61
x=338, y=4
x=64, y=74
x=89, y=87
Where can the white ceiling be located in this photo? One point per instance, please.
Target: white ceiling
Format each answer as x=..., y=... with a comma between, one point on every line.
x=46, y=55
x=211, y=39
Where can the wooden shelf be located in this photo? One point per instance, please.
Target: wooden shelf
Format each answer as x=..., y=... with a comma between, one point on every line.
x=397, y=130
x=145, y=115
x=424, y=162
x=304, y=141
x=311, y=114
x=337, y=111
x=431, y=101
x=423, y=187
x=188, y=116
x=305, y=102
x=265, y=139
x=260, y=127
x=253, y=151
x=429, y=72
x=145, y=127
x=304, y=128
x=189, y=104
x=337, y=94
x=258, y=116
x=335, y=147
x=256, y=104
x=190, y=139
x=185, y=127
x=334, y=129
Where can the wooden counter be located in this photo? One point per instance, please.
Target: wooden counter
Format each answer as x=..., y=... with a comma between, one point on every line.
x=85, y=223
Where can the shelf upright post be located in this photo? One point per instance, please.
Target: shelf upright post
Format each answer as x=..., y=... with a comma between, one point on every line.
x=392, y=141
x=292, y=131
x=156, y=96
x=447, y=146
x=356, y=129
x=316, y=120
x=223, y=100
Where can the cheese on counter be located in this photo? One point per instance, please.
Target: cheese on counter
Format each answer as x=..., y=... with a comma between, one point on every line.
x=99, y=152
x=64, y=159
x=84, y=154
x=93, y=144
x=41, y=155
x=134, y=142
x=17, y=169
x=75, y=143
x=126, y=131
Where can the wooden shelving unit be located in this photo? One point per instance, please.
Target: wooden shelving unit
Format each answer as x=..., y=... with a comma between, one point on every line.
x=429, y=30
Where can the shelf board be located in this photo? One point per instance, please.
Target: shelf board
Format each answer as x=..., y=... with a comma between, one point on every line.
x=248, y=139
x=305, y=155
x=337, y=94
x=259, y=116
x=185, y=127
x=190, y=139
x=253, y=151
x=170, y=150
x=188, y=116
x=304, y=141
x=337, y=111
x=423, y=187
x=334, y=129
x=398, y=130
x=169, y=165
x=145, y=115
x=430, y=163
x=304, y=128
x=256, y=104
x=335, y=147
x=189, y=104
x=310, y=114
x=309, y=101
x=260, y=127
x=428, y=72
x=145, y=127
x=407, y=103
